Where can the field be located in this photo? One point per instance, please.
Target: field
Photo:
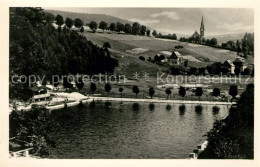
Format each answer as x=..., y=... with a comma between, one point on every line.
x=121, y=42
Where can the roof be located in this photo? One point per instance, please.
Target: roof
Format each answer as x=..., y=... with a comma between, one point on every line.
x=195, y=34
x=229, y=62
x=239, y=60
x=41, y=96
x=175, y=54
x=36, y=88
x=167, y=53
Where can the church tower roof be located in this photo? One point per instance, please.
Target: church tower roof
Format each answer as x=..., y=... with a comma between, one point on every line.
x=202, y=28
x=202, y=24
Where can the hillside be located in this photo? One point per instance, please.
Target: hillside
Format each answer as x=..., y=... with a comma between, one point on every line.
x=228, y=37
x=152, y=46
x=87, y=18
x=135, y=46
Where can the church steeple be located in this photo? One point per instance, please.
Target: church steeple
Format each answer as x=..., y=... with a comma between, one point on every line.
x=202, y=29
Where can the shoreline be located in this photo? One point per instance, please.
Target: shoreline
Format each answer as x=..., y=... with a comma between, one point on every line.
x=161, y=101
x=88, y=99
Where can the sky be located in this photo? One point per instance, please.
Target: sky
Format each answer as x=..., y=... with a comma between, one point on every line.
x=217, y=21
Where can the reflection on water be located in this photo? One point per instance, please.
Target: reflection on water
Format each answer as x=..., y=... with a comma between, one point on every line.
x=151, y=107
x=182, y=109
x=168, y=107
x=136, y=107
x=130, y=130
x=198, y=109
x=215, y=110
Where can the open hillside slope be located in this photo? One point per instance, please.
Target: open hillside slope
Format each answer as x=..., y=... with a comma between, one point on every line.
x=150, y=46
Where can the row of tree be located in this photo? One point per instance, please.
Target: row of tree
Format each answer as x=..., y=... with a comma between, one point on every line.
x=160, y=35
x=233, y=91
x=135, y=28
x=197, y=39
x=245, y=46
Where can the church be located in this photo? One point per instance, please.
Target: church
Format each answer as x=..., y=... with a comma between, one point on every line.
x=198, y=37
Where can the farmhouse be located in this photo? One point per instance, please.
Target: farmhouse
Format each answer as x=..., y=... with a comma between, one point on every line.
x=164, y=56
x=175, y=58
x=240, y=65
x=230, y=66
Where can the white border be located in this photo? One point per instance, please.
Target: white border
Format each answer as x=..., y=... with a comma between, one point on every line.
x=4, y=81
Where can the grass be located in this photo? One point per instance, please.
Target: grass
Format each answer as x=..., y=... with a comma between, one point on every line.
x=123, y=42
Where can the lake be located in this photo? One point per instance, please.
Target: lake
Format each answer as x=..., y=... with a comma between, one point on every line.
x=132, y=130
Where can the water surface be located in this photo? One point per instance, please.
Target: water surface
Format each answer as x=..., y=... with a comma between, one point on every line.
x=133, y=130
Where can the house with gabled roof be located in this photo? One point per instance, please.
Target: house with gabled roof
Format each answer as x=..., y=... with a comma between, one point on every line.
x=175, y=58
x=230, y=66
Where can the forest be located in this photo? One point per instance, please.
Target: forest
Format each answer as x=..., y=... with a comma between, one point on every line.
x=38, y=48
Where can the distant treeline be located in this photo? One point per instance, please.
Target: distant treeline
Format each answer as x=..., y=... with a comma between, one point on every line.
x=243, y=47
x=134, y=29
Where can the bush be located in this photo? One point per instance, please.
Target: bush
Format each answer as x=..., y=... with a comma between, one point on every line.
x=141, y=58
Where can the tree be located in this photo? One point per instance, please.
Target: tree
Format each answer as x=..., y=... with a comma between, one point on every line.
x=107, y=45
x=208, y=42
x=193, y=71
x=151, y=92
x=246, y=71
x=154, y=33
x=128, y=28
x=135, y=28
x=175, y=71
x=174, y=37
x=121, y=91
x=107, y=88
x=93, y=26
x=186, y=63
x=59, y=20
x=142, y=30
x=79, y=83
x=215, y=68
x=55, y=81
x=67, y=82
x=182, y=91
x=136, y=90
x=233, y=91
x=142, y=58
x=78, y=23
x=69, y=22
x=103, y=25
x=112, y=27
x=214, y=42
x=93, y=87
x=168, y=92
x=50, y=18
x=237, y=71
x=156, y=58
x=119, y=27
x=202, y=71
x=216, y=92
x=199, y=92
x=148, y=32
x=81, y=29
